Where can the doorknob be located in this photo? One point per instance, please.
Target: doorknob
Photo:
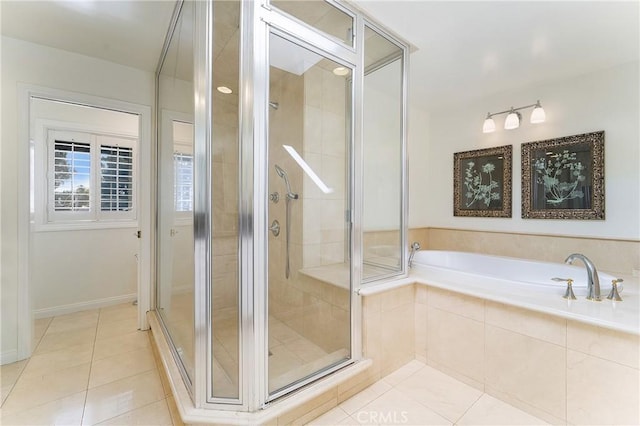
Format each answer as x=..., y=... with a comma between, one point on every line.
x=275, y=228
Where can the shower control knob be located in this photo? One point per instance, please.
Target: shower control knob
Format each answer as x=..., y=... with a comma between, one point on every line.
x=275, y=197
x=275, y=228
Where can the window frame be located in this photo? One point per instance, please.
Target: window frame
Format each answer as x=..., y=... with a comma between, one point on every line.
x=45, y=217
x=184, y=144
x=54, y=136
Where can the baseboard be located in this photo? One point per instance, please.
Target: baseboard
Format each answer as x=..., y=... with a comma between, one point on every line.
x=83, y=306
x=8, y=357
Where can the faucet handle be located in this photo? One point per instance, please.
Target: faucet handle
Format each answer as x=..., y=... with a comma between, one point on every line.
x=614, y=294
x=568, y=294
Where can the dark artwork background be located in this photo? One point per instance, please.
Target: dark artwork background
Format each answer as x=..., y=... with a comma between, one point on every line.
x=481, y=180
x=565, y=182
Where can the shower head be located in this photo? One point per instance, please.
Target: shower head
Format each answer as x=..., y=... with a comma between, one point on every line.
x=274, y=105
x=280, y=171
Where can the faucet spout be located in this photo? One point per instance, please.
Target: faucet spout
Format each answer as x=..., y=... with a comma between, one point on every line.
x=414, y=249
x=593, y=282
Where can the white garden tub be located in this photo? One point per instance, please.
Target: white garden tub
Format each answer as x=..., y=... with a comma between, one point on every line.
x=532, y=274
x=522, y=283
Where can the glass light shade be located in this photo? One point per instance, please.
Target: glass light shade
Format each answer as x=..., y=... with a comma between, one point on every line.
x=341, y=71
x=512, y=121
x=538, y=115
x=489, y=126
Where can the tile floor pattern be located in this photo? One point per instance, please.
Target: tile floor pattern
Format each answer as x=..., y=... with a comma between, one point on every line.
x=417, y=394
x=94, y=367
x=90, y=367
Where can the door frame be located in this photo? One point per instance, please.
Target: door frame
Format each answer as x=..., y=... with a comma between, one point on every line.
x=271, y=21
x=145, y=217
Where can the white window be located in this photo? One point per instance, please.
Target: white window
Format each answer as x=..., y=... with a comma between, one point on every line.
x=91, y=177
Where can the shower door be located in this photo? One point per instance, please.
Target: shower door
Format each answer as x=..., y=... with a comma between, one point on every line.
x=309, y=266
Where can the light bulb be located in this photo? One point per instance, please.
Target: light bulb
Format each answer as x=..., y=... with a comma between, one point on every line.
x=538, y=115
x=489, y=125
x=341, y=71
x=512, y=121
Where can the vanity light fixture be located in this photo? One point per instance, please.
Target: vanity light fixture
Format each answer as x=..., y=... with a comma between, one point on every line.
x=224, y=89
x=514, y=117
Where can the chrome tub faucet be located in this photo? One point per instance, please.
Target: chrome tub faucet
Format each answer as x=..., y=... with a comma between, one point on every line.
x=414, y=249
x=593, y=282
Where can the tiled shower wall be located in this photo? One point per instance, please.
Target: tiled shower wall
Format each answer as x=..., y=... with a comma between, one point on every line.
x=326, y=152
x=610, y=255
x=310, y=118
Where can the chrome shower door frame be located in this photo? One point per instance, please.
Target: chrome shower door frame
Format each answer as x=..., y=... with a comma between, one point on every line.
x=269, y=20
x=257, y=21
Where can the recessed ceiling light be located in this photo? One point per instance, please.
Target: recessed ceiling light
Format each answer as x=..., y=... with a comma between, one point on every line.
x=341, y=71
x=225, y=90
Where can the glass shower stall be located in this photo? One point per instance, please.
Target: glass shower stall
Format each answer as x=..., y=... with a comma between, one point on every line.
x=281, y=188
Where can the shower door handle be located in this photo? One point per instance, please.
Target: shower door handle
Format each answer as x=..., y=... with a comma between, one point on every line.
x=275, y=228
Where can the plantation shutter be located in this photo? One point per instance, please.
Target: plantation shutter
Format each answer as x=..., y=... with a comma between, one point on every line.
x=72, y=176
x=116, y=178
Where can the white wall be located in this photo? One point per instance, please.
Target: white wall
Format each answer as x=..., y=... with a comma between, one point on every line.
x=381, y=133
x=417, y=153
x=606, y=100
x=74, y=269
x=24, y=62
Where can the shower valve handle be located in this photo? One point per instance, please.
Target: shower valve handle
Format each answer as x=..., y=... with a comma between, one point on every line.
x=275, y=228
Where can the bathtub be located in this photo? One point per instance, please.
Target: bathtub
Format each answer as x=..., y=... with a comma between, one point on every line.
x=522, y=283
x=534, y=275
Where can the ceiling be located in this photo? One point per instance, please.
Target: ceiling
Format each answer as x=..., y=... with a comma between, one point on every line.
x=129, y=32
x=465, y=50
x=468, y=50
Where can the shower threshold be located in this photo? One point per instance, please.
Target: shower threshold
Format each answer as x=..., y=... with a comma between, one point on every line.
x=315, y=397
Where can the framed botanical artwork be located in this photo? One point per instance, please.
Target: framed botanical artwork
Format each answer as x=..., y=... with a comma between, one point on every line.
x=482, y=182
x=563, y=178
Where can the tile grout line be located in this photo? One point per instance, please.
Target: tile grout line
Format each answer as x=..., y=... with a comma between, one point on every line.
x=28, y=360
x=469, y=408
x=139, y=408
x=432, y=409
x=93, y=348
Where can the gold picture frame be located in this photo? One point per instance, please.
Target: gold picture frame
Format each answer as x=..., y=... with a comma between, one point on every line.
x=563, y=178
x=482, y=182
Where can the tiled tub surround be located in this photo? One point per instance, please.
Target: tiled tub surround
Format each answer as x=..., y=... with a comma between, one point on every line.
x=536, y=295
x=616, y=256
x=558, y=369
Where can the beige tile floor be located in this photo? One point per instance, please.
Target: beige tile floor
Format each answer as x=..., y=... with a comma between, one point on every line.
x=90, y=367
x=94, y=367
x=417, y=394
